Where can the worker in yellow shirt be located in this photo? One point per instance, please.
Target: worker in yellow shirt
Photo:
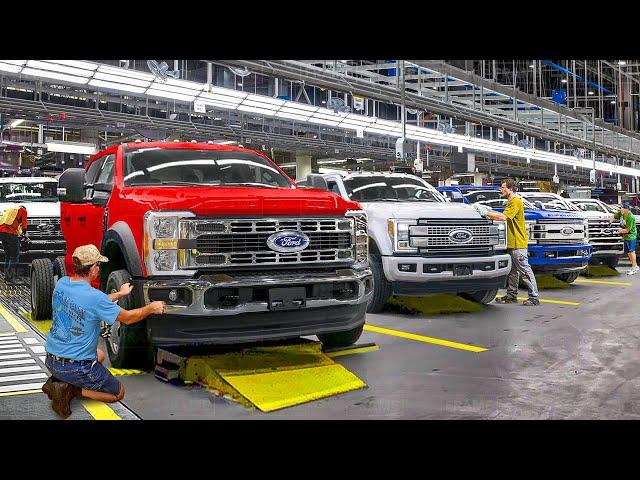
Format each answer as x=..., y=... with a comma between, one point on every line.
x=13, y=224
x=517, y=243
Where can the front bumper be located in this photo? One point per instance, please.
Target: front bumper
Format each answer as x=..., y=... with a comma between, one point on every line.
x=221, y=309
x=558, y=258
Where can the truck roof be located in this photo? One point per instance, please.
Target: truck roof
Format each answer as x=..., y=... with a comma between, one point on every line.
x=26, y=179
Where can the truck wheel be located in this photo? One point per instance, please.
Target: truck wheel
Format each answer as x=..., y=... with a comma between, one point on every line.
x=41, y=288
x=612, y=262
x=127, y=344
x=567, y=277
x=481, y=296
x=59, y=268
x=381, y=286
x=341, y=339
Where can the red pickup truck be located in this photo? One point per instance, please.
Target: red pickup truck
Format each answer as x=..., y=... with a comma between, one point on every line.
x=237, y=251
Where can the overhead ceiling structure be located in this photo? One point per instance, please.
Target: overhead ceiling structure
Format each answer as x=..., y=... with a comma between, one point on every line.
x=198, y=98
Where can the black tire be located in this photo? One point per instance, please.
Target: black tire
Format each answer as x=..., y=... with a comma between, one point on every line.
x=59, y=268
x=341, y=339
x=481, y=296
x=567, y=277
x=612, y=262
x=127, y=346
x=381, y=286
x=42, y=283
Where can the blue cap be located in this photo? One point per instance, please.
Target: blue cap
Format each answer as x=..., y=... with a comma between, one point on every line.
x=626, y=205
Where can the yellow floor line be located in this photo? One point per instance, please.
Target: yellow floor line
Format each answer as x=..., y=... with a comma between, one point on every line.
x=352, y=351
x=17, y=326
x=125, y=371
x=99, y=410
x=604, y=282
x=24, y=392
x=544, y=300
x=420, y=338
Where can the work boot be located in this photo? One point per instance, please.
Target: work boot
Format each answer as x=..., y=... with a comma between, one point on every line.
x=46, y=388
x=507, y=299
x=63, y=393
x=531, y=302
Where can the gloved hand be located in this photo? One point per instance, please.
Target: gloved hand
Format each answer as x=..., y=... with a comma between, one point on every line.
x=481, y=209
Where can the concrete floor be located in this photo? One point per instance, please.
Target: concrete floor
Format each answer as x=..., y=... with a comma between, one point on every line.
x=547, y=362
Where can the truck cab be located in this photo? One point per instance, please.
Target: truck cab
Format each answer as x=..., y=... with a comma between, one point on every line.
x=419, y=243
x=39, y=196
x=224, y=237
x=558, y=239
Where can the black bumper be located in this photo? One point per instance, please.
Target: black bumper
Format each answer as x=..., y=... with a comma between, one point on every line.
x=450, y=286
x=253, y=327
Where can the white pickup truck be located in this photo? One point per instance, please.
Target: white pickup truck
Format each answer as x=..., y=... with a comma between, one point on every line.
x=419, y=243
x=39, y=196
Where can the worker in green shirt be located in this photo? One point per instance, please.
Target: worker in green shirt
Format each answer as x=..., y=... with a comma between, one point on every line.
x=629, y=234
x=517, y=243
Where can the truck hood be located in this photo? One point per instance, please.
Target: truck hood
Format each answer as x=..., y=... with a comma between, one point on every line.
x=411, y=210
x=247, y=201
x=537, y=214
x=36, y=209
x=597, y=215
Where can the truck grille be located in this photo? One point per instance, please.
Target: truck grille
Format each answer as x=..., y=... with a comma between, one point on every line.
x=559, y=232
x=433, y=238
x=43, y=228
x=603, y=236
x=222, y=242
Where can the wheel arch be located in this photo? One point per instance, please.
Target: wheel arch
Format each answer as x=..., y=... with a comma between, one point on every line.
x=119, y=246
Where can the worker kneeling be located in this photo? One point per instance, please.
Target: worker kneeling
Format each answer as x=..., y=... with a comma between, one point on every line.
x=73, y=358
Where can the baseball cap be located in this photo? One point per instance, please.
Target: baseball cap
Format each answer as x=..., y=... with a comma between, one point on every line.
x=88, y=255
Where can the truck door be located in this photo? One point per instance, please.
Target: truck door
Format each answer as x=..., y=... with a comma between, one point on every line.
x=86, y=221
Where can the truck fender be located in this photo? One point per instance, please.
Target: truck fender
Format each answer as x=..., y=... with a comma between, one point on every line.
x=121, y=234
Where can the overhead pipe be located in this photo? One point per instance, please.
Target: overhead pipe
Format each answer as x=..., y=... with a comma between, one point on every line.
x=578, y=77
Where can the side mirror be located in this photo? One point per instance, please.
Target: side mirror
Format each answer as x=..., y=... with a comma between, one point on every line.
x=317, y=181
x=583, y=207
x=71, y=186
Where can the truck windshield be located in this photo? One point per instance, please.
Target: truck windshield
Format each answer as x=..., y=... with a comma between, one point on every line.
x=553, y=203
x=29, y=192
x=166, y=166
x=591, y=207
x=478, y=196
x=390, y=189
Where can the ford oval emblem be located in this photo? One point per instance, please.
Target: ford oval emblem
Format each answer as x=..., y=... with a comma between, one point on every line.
x=45, y=227
x=460, y=236
x=288, y=241
x=567, y=231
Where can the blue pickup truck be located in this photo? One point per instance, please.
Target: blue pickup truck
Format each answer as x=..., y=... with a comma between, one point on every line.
x=558, y=240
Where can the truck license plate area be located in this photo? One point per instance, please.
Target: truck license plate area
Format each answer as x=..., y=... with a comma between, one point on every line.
x=462, y=270
x=287, y=298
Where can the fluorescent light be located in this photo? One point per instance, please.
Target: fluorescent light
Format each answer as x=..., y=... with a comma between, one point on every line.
x=226, y=142
x=532, y=66
x=263, y=99
x=116, y=86
x=590, y=93
x=252, y=103
x=292, y=116
x=322, y=121
x=175, y=96
x=564, y=80
x=184, y=83
x=125, y=72
x=120, y=79
x=170, y=88
x=77, y=64
x=15, y=62
x=621, y=62
x=613, y=102
x=15, y=123
x=71, y=147
x=304, y=106
x=5, y=67
x=228, y=91
x=54, y=75
x=250, y=109
x=228, y=106
x=58, y=68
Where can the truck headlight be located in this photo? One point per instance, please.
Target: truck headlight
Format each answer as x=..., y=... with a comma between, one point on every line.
x=502, y=235
x=360, y=236
x=160, y=242
x=399, y=234
x=529, y=225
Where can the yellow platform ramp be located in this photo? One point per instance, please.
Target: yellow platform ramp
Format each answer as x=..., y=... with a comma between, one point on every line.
x=272, y=377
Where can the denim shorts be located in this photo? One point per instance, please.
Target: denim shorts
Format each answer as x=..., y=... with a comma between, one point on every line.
x=88, y=374
x=630, y=245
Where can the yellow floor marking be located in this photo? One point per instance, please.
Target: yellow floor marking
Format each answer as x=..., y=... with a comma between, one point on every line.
x=125, y=371
x=24, y=392
x=420, y=338
x=559, y=302
x=99, y=410
x=604, y=282
x=352, y=351
x=13, y=321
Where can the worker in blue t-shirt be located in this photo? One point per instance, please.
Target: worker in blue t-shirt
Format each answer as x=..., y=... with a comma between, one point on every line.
x=73, y=356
